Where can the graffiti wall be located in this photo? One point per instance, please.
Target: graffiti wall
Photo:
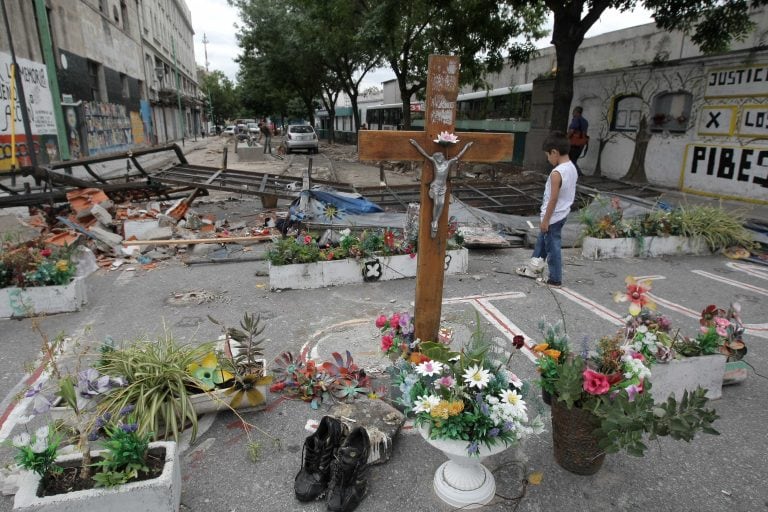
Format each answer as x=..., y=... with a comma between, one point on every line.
x=34, y=78
x=108, y=126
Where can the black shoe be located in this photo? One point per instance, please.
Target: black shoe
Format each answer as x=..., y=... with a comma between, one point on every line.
x=312, y=479
x=349, y=482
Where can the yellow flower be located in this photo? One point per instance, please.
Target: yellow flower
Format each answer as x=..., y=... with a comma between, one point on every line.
x=455, y=408
x=554, y=354
x=62, y=265
x=441, y=410
x=541, y=347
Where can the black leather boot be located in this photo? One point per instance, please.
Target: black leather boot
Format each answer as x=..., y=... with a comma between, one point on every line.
x=312, y=479
x=349, y=482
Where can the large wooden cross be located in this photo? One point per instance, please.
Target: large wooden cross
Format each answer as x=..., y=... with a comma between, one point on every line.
x=442, y=92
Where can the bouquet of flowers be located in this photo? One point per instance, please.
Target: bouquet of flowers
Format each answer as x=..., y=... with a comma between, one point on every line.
x=463, y=395
x=397, y=334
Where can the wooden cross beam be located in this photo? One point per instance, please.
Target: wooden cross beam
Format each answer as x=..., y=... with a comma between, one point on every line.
x=442, y=92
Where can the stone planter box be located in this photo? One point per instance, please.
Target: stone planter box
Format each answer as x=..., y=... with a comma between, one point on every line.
x=688, y=373
x=652, y=246
x=161, y=494
x=18, y=303
x=333, y=273
x=605, y=248
x=646, y=247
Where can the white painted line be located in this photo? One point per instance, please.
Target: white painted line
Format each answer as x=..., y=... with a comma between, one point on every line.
x=504, y=325
x=753, y=270
x=737, y=284
x=485, y=296
x=599, y=310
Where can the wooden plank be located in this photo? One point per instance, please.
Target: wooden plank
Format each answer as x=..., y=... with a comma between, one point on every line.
x=183, y=241
x=394, y=146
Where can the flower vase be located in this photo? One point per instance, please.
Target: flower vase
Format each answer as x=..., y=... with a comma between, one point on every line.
x=463, y=481
x=576, y=446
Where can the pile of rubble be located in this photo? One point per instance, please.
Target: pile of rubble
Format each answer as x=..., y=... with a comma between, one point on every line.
x=141, y=233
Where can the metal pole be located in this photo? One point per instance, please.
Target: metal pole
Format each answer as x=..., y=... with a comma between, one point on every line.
x=53, y=82
x=178, y=86
x=20, y=90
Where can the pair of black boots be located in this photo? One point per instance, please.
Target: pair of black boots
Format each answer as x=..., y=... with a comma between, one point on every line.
x=336, y=461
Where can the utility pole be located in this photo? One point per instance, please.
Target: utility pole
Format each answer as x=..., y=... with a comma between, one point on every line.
x=178, y=87
x=205, y=46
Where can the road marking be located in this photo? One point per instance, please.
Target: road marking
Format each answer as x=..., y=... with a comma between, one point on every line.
x=752, y=270
x=594, y=307
x=737, y=284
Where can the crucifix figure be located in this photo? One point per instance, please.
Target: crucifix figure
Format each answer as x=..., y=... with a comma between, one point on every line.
x=439, y=185
x=442, y=92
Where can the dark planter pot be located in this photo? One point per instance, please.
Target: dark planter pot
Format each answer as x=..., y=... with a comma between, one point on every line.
x=576, y=447
x=546, y=397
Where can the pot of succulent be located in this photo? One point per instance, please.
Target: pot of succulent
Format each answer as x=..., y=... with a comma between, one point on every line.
x=468, y=406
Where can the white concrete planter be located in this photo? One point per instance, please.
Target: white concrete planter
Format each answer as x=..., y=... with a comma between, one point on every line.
x=18, y=303
x=350, y=271
x=688, y=373
x=161, y=494
x=652, y=246
x=605, y=248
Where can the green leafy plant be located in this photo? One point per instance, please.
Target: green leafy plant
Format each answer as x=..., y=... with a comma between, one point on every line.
x=604, y=218
x=124, y=455
x=31, y=264
x=158, y=384
x=719, y=228
x=37, y=452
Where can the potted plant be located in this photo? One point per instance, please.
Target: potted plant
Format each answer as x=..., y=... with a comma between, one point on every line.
x=158, y=384
x=35, y=278
x=468, y=406
x=130, y=473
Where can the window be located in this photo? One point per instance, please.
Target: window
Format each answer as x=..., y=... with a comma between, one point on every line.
x=124, y=85
x=671, y=112
x=124, y=14
x=94, y=80
x=115, y=14
x=626, y=113
x=102, y=7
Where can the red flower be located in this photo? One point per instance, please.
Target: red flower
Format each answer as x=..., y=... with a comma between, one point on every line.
x=307, y=239
x=277, y=386
x=595, y=383
x=381, y=321
x=518, y=341
x=45, y=253
x=386, y=342
x=389, y=239
x=329, y=257
x=395, y=320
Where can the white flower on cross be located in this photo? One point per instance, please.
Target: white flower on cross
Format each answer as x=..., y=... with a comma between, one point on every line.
x=445, y=138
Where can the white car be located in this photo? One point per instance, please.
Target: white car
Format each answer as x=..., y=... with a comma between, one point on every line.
x=229, y=130
x=301, y=136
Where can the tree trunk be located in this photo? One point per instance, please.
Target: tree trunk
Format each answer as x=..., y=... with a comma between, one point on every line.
x=404, y=94
x=601, y=143
x=636, y=171
x=562, y=95
x=332, y=127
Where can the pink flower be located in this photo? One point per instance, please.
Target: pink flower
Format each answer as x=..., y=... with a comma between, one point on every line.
x=386, y=342
x=307, y=240
x=45, y=253
x=395, y=320
x=446, y=381
x=595, y=383
x=721, y=324
x=633, y=390
x=381, y=321
x=638, y=355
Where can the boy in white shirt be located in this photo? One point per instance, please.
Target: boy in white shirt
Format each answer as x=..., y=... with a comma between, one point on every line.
x=559, y=194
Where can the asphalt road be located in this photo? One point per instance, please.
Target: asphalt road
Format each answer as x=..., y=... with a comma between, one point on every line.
x=713, y=473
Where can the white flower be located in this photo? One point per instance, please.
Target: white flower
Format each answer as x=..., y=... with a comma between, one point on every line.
x=477, y=377
x=40, y=445
x=447, y=138
x=21, y=440
x=429, y=368
x=643, y=329
x=425, y=403
x=513, y=379
x=511, y=397
x=42, y=432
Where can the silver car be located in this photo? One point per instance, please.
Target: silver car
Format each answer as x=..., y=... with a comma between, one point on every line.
x=301, y=136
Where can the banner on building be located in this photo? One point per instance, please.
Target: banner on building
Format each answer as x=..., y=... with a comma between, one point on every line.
x=738, y=172
x=34, y=78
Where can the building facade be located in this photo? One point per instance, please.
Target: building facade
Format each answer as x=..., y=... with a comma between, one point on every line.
x=118, y=74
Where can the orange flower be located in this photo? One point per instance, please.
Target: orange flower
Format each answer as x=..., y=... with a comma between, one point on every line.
x=554, y=354
x=541, y=347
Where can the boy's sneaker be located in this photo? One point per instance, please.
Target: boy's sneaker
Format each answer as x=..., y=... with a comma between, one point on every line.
x=311, y=481
x=534, y=269
x=550, y=283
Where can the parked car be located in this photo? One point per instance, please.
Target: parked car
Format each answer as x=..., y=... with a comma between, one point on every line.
x=301, y=136
x=253, y=129
x=229, y=130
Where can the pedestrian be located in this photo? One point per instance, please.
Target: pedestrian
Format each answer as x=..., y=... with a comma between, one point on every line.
x=559, y=194
x=577, y=136
x=267, y=133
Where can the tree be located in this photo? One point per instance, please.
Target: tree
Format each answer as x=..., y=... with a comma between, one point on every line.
x=220, y=94
x=713, y=24
x=479, y=31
